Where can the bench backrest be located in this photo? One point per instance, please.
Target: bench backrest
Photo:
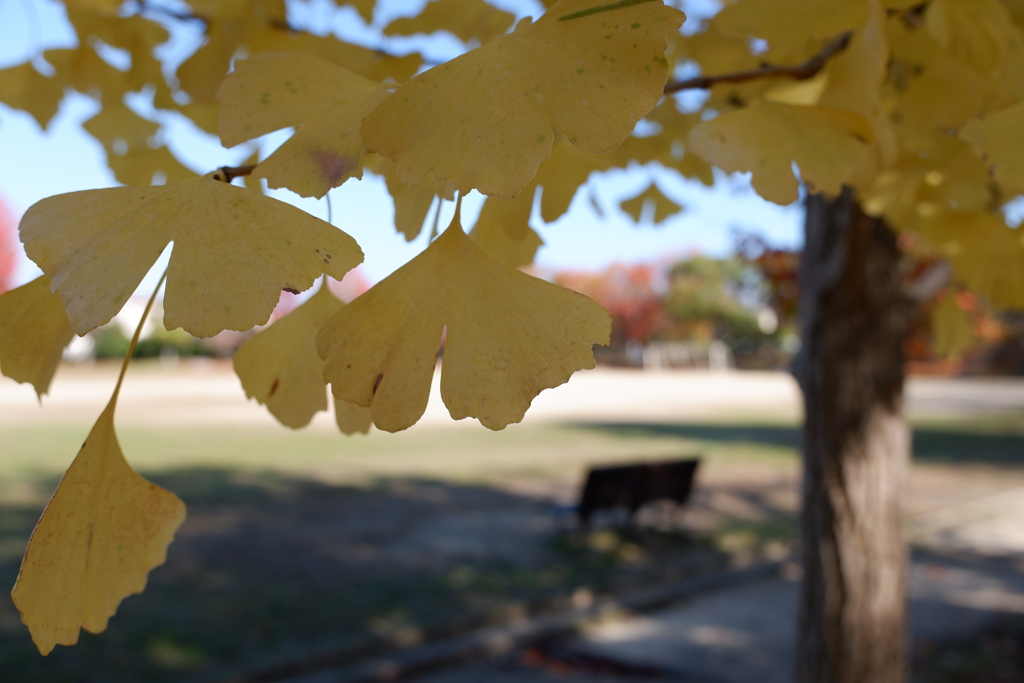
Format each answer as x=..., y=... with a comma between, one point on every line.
x=634, y=485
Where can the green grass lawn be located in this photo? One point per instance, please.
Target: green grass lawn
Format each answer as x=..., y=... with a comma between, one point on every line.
x=286, y=551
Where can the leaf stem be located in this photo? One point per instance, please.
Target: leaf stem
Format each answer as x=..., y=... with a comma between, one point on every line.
x=799, y=72
x=226, y=174
x=135, y=341
x=437, y=220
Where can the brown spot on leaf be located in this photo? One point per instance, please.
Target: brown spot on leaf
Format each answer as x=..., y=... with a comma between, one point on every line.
x=377, y=383
x=291, y=291
x=274, y=387
x=333, y=168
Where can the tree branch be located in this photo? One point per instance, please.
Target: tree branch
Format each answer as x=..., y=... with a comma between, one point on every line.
x=800, y=72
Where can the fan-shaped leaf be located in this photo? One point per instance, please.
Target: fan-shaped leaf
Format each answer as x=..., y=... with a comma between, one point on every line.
x=503, y=230
x=103, y=531
x=276, y=90
x=509, y=337
x=34, y=330
x=829, y=146
x=234, y=251
x=588, y=68
x=280, y=368
x=465, y=19
x=999, y=139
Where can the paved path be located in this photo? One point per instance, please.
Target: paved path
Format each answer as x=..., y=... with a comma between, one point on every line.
x=747, y=632
x=970, y=572
x=967, y=571
x=203, y=393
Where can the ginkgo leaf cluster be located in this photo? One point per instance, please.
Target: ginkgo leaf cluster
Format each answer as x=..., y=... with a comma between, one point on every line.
x=919, y=113
x=915, y=106
x=582, y=75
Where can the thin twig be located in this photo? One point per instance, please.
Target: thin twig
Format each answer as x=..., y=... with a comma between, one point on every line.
x=800, y=72
x=226, y=174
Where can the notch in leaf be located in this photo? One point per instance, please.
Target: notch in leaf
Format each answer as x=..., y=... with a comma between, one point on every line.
x=510, y=336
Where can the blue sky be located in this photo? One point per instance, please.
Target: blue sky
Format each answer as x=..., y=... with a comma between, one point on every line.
x=35, y=164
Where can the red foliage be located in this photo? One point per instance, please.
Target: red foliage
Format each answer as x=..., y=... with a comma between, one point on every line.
x=8, y=248
x=629, y=293
x=779, y=268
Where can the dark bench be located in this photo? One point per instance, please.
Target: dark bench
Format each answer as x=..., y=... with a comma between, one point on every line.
x=635, y=485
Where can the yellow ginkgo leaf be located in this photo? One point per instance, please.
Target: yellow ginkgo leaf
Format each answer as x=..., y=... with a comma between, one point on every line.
x=509, y=337
x=485, y=120
x=280, y=368
x=34, y=330
x=411, y=203
x=829, y=146
x=108, y=7
x=234, y=251
x=85, y=71
x=373, y=64
x=248, y=182
x=118, y=128
x=465, y=19
x=651, y=205
x=364, y=7
x=999, y=139
x=276, y=90
x=856, y=74
x=786, y=22
x=22, y=87
x=204, y=116
x=102, y=532
x=986, y=254
x=136, y=34
x=503, y=230
x=982, y=33
x=952, y=329
x=201, y=74
x=934, y=90
x=937, y=171
x=561, y=176
x=145, y=165
x=715, y=51
x=352, y=418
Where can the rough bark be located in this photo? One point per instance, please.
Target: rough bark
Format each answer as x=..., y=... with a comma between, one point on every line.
x=856, y=447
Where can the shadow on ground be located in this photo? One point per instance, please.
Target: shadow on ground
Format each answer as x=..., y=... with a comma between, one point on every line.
x=269, y=569
x=972, y=443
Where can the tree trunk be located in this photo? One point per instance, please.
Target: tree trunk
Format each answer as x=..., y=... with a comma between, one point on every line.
x=856, y=447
